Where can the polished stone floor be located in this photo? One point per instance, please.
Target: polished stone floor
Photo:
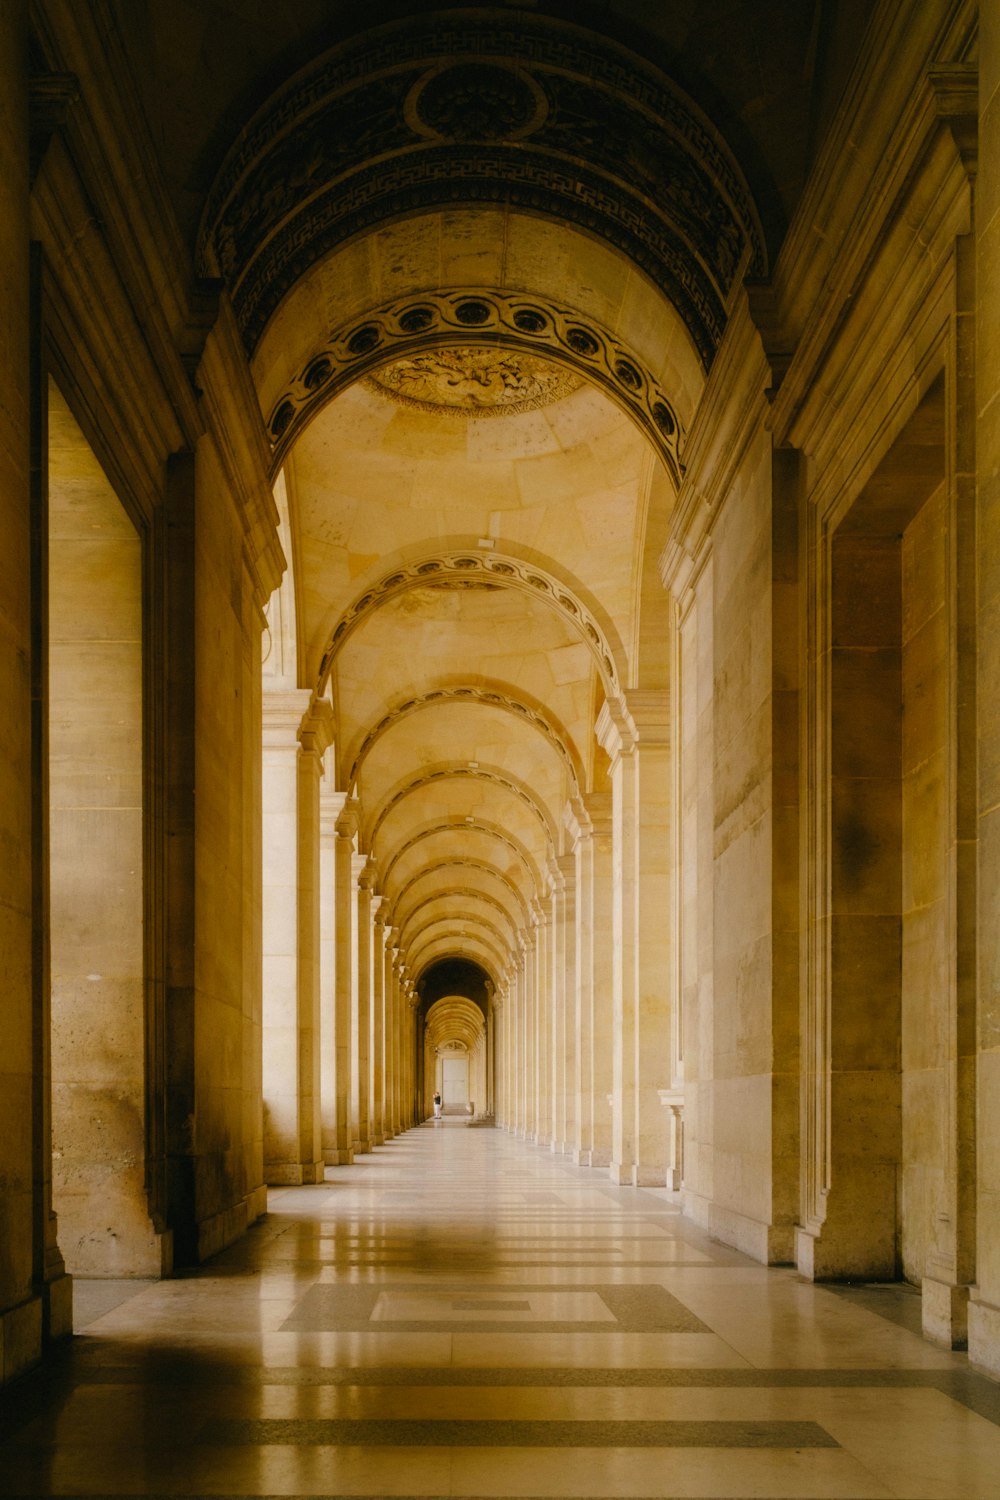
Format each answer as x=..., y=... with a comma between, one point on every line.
x=460, y=1314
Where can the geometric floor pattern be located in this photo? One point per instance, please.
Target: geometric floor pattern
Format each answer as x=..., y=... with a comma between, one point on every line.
x=459, y=1314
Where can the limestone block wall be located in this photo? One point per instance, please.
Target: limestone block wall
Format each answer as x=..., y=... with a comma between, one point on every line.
x=984, y=1313
x=925, y=935
x=20, y=1306
x=96, y=821
x=227, y=729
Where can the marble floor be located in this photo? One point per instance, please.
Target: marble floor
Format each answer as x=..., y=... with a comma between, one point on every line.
x=459, y=1314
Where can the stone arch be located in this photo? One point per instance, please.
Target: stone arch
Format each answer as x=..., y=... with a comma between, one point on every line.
x=465, y=864
x=380, y=128
x=463, y=773
x=469, y=569
x=489, y=830
x=479, y=316
x=465, y=894
x=482, y=931
x=492, y=697
x=436, y=950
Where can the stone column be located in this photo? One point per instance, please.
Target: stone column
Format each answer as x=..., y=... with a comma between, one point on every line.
x=984, y=1307
x=296, y=733
x=331, y=804
x=543, y=1021
x=25, y=1149
x=564, y=1003
x=529, y=1104
x=495, y=1076
x=341, y=1147
x=399, y=1035
x=601, y=958
x=361, y=1001
x=378, y=1032
x=636, y=738
x=488, y=1106
x=390, y=1120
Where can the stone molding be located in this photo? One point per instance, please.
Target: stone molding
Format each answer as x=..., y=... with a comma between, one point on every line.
x=467, y=569
x=419, y=324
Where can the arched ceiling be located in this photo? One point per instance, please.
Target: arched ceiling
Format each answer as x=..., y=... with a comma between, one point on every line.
x=481, y=259
x=766, y=72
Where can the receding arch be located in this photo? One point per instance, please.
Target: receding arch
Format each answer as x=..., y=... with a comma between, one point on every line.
x=463, y=926
x=480, y=316
x=467, y=568
x=493, y=697
x=451, y=946
x=434, y=829
x=463, y=773
x=462, y=864
x=470, y=899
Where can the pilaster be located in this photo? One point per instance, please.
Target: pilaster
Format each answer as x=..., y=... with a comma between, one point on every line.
x=636, y=738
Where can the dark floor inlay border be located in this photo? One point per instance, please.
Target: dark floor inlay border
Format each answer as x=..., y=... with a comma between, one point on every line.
x=351, y=1432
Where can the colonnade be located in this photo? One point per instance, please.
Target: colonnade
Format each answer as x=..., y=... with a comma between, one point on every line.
x=576, y=1051
x=340, y=1004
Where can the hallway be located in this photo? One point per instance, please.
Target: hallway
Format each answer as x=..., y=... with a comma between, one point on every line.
x=460, y=1314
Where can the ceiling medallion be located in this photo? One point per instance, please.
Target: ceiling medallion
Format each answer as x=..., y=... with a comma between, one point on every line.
x=476, y=101
x=474, y=380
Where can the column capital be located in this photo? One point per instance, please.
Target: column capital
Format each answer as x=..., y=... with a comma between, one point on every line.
x=599, y=808
x=348, y=818
x=316, y=728
x=282, y=712
x=576, y=820
x=331, y=804
x=615, y=731
x=359, y=869
x=378, y=914
x=649, y=711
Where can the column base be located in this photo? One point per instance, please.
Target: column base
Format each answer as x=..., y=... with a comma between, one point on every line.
x=643, y=1176
x=823, y=1256
x=338, y=1156
x=57, y=1305
x=292, y=1173
x=945, y=1313
x=984, y=1336
x=222, y=1229
x=20, y=1338
x=378, y=1140
x=620, y=1173
x=362, y=1147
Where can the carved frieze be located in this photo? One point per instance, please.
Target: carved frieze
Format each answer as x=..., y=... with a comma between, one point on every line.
x=532, y=113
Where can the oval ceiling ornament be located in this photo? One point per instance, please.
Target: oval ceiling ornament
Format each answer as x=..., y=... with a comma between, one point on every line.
x=522, y=351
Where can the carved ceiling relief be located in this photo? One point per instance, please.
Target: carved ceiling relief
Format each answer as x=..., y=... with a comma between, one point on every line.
x=535, y=115
x=474, y=381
